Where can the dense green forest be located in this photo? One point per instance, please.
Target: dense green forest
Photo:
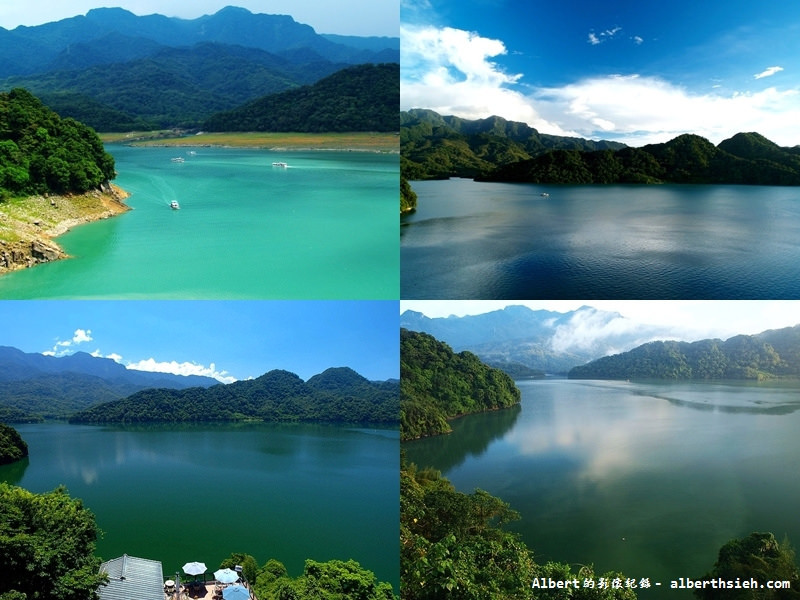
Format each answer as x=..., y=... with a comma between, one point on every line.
x=453, y=545
x=408, y=198
x=359, y=98
x=774, y=353
x=40, y=152
x=436, y=384
x=746, y=158
x=47, y=544
x=332, y=580
x=435, y=147
x=12, y=446
x=335, y=396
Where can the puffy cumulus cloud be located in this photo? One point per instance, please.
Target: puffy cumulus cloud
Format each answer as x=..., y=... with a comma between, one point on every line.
x=768, y=72
x=642, y=110
x=450, y=71
x=63, y=347
x=184, y=368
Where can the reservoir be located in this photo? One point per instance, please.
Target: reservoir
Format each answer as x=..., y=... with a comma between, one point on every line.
x=472, y=240
x=198, y=493
x=322, y=227
x=650, y=479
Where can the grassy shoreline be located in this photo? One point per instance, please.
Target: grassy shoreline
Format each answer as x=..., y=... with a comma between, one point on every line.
x=29, y=224
x=354, y=142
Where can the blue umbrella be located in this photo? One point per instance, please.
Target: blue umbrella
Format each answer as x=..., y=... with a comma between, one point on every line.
x=236, y=592
x=226, y=576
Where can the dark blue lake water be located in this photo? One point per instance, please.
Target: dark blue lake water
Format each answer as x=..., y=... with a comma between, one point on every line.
x=507, y=241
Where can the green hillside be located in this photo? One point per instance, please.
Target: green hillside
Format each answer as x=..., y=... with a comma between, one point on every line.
x=12, y=446
x=42, y=153
x=770, y=354
x=747, y=158
x=335, y=396
x=437, y=384
x=359, y=98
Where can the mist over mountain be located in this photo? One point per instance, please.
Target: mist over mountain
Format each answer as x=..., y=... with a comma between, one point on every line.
x=543, y=340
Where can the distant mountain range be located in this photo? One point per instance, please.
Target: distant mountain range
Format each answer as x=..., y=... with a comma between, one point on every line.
x=33, y=386
x=114, y=70
x=494, y=149
x=773, y=353
x=525, y=342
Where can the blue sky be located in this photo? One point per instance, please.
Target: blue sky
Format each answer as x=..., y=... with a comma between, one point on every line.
x=224, y=339
x=346, y=17
x=636, y=72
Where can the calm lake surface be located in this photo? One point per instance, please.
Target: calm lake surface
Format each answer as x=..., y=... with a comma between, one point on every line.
x=505, y=241
x=647, y=478
x=181, y=494
x=323, y=228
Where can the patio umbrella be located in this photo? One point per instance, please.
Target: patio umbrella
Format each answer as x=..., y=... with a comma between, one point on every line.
x=194, y=568
x=226, y=576
x=236, y=592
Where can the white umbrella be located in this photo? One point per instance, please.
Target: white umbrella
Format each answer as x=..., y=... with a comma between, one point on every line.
x=194, y=568
x=226, y=576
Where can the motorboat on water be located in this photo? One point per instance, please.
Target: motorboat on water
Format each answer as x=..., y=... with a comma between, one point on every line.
x=283, y=165
x=178, y=159
x=545, y=195
x=174, y=205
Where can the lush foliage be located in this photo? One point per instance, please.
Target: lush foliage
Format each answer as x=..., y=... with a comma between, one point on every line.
x=747, y=158
x=437, y=384
x=335, y=396
x=47, y=544
x=332, y=580
x=434, y=146
x=40, y=152
x=12, y=446
x=408, y=197
x=774, y=353
x=453, y=545
x=359, y=98
x=759, y=556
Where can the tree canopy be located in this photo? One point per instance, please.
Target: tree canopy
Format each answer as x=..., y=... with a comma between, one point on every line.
x=40, y=152
x=47, y=544
x=437, y=384
x=12, y=446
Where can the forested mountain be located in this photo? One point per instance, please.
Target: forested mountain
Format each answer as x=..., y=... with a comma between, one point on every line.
x=437, y=384
x=114, y=70
x=774, y=353
x=433, y=146
x=335, y=396
x=40, y=152
x=33, y=386
x=359, y=98
x=746, y=158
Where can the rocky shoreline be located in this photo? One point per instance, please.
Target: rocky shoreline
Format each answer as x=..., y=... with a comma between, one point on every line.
x=28, y=225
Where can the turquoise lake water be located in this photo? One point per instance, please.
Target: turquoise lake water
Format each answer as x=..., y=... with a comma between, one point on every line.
x=198, y=493
x=324, y=228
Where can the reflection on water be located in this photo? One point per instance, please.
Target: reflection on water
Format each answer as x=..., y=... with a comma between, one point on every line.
x=648, y=478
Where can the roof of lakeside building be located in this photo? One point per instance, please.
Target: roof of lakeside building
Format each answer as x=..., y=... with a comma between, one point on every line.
x=131, y=578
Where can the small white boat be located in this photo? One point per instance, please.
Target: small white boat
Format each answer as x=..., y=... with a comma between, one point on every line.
x=545, y=195
x=174, y=205
x=283, y=165
x=178, y=159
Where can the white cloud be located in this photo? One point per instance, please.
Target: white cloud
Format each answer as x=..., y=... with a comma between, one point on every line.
x=641, y=110
x=82, y=335
x=450, y=71
x=184, y=368
x=768, y=72
x=595, y=39
x=61, y=347
x=637, y=40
